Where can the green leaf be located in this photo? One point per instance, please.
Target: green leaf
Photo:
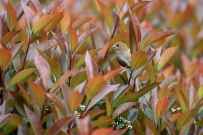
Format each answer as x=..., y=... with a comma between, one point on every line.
x=22, y=76
x=200, y=92
x=166, y=55
x=138, y=59
x=108, y=107
x=11, y=16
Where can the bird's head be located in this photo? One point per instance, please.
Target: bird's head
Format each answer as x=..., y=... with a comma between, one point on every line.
x=119, y=47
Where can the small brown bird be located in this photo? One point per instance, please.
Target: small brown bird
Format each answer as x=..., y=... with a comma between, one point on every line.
x=123, y=54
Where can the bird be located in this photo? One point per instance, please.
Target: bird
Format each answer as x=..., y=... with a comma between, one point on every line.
x=123, y=54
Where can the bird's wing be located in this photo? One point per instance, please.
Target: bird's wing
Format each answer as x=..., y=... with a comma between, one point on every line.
x=123, y=62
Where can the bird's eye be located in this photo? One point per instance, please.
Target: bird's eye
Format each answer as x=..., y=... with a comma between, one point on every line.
x=117, y=45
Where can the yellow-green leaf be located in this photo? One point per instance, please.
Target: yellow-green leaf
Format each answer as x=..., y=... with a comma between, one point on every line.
x=107, y=14
x=166, y=55
x=22, y=76
x=94, y=85
x=74, y=100
x=200, y=92
x=108, y=107
x=138, y=59
x=65, y=22
x=11, y=16
x=5, y=57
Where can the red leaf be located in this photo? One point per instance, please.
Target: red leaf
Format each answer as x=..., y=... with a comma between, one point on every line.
x=84, y=126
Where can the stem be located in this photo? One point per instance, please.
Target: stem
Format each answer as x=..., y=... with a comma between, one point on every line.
x=26, y=55
x=70, y=66
x=131, y=73
x=114, y=30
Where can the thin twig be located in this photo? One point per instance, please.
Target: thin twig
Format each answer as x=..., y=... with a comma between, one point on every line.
x=26, y=54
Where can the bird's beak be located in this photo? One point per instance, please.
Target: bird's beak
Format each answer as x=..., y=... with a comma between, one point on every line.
x=114, y=46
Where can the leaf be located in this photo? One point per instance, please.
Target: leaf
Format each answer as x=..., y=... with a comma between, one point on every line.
x=108, y=107
x=34, y=121
x=55, y=22
x=138, y=59
x=75, y=99
x=188, y=128
x=43, y=69
x=150, y=125
x=57, y=102
x=80, y=21
x=43, y=22
x=73, y=38
x=11, y=124
x=172, y=119
x=5, y=57
x=102, y=121
x=120, y=4
x=113, y=73
x=161, y=107
x=122, y=108
x=107, y=14
x=38, y=93
x=137, y=95
x=84, y=126
x=61, y=80
x=28, y=14
x=184, y=118
x=91, y=67
x=166, y=55
x=18, y=101
x=200, y=92
x=102, y=93
x=52, y=6
x=66, y=91
x=77, y=79
x=136, y=27
x=3, y=28
x=65, y=21
x=57, y=126
x=22, y=131
x=158, y=36
x=82, y=59
x=11, y=16
x=191, y=95
x=8, y=36
x=181, y=99
x=93, y=113
x=15, y=50
x=170, y=125
x=22, y=76
x=24, y=91
x=94, y=86
x=103, y=131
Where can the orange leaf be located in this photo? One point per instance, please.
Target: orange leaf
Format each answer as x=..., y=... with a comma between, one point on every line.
x=138, y=59
x=73, y=37
x=112, y=73
x=8, y=36
x=5, y=57
x=120, y=4
x=161, y=107
x=150, y=125
x=75, y=99
x=103, y=131
x=166, y=55
x=80, y=21
x=24, y=91
x=94, y=85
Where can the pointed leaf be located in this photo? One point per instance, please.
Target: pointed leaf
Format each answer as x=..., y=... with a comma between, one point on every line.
x=108, y=107
x=94, y=86
x=34, y=121
x=122, y=108
x=11, y=16
x=200, y=92
x=22, y=131
x=8, y=36
x=24, y=91
x=181, y=99
x=191, y=95
x=38, y=93
x=73, y=38
x=106, y=12
x=103, y=131
x=150, y=125
x=112, y=73
x=3, y=28
x=57, y=102
x=166, y=55
x=102, y=121
x=75, y=99
x=93, y=113
x=61, y=80
x=84, y=126
x=43, y=69
x=136, y=27
x=28, y=14
x=138, y=59
x=91, y=67
x=80, y=21
x=5, y=57
x=22, y=76
x=65, y=22
x=161, y=108
x=120, y=4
